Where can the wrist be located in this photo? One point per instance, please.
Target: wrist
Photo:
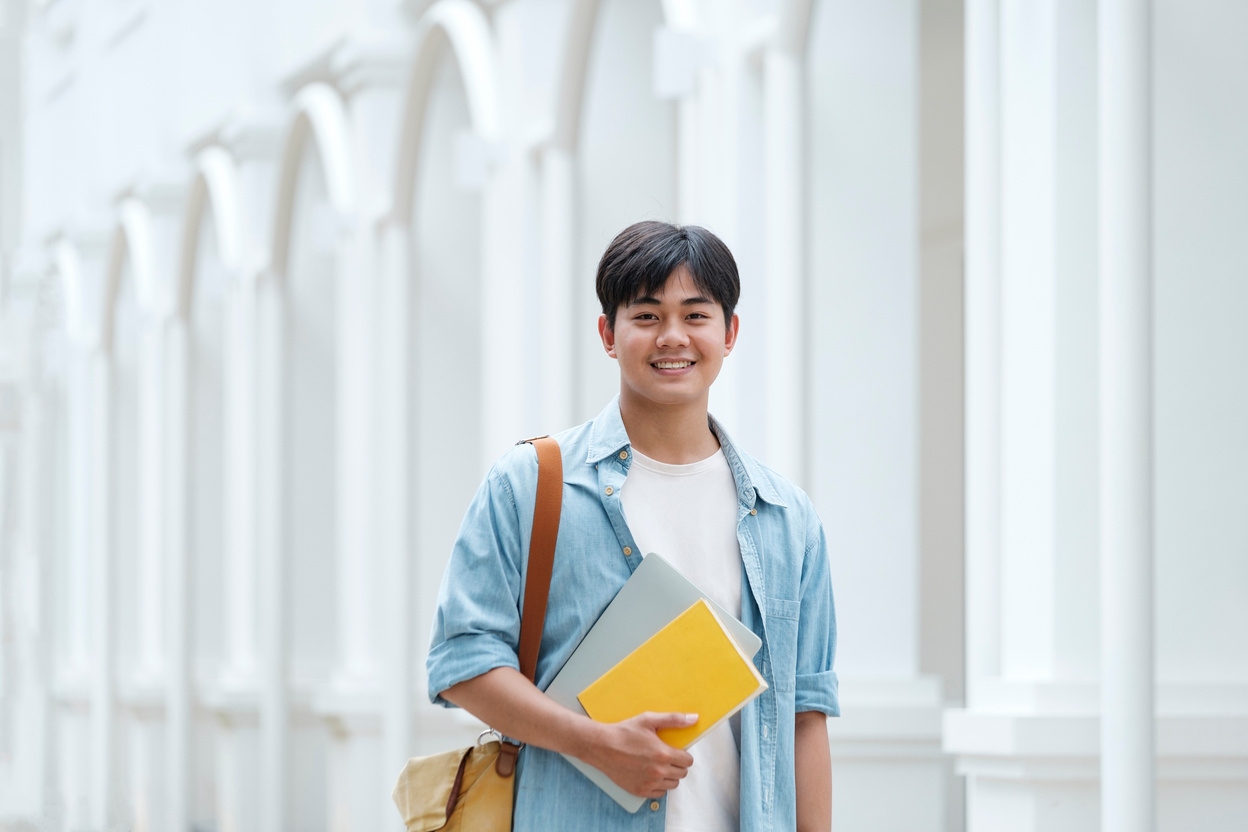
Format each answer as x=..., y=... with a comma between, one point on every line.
x=584, y=737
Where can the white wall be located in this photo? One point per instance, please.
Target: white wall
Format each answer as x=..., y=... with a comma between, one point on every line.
x=331, y=441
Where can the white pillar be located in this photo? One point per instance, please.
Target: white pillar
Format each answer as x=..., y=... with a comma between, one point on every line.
x=504, y=391
x=271, y=621
x=177, y=592
x=1026, y=740
x=239, y=438
x=783, y=164
x=354, y=555
x=394, y=493
x=151, y=502
x=983, y=342
x=237, y=696
x=104, y=775
x=690, y=149
x=720, y=168
x=82, y=542
x=558, y=289
x=866, y=415
x=1127, y=734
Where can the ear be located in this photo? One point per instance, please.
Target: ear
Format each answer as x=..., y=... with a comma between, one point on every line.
x=730, y=334
x=607, y=334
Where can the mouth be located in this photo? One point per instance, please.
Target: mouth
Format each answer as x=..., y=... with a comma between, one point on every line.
x=672, y=365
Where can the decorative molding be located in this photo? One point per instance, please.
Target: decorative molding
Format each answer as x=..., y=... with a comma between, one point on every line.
x=367, y=63
x=976, y=737
x=351, y=62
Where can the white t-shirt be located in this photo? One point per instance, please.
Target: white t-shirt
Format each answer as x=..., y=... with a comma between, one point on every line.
x=688, y=514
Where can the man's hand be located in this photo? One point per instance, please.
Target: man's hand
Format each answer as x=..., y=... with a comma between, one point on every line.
x=629, y=752
x=636, y=760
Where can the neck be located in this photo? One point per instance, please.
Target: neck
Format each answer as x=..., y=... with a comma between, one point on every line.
x=675, y=434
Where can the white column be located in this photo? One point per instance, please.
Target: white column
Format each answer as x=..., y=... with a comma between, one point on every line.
x=720, y=169
x=177, y=593
x=239, y=437
x=866, y=416
x=237, y=695
x=503, y=385
x=558, y=290
x=350, y=704
x=355, y=556
x=690, y=149
x=394, y=493
x=783, y=164
x=983, y=343
x=104, y=775
x=82, y=542
x=1026, y=740
x=1127, y=734
x=234, y=694
x=271, y=621
x=151, y=501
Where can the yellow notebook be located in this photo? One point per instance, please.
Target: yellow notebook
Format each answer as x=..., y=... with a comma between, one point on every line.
x=692, y=666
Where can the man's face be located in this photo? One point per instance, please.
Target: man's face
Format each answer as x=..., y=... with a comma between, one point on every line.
x=670, y=346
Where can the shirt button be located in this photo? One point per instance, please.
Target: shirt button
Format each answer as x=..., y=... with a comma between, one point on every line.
x=654, y=805
x=753, y=511
x=765, y=732
x=623, y=454
x=610, y=491
x=628, y=550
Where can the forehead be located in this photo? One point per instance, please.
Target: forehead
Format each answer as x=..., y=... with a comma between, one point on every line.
x=679, y=287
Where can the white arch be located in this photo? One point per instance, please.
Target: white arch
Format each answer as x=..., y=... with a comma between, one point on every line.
x=462, y=26
x=216, y=188
x=317, y=111
x=794, y=24
x=579, y=40
x=132, y=238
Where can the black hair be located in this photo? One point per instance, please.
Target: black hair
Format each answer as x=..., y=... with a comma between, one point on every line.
x=643, y=256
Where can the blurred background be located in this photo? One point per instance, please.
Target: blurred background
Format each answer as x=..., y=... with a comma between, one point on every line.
x=279, y=279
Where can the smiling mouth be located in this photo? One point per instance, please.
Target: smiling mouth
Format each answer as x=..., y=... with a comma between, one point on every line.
x=671, y=365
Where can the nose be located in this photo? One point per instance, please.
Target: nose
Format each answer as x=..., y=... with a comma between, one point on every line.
x=672, y=333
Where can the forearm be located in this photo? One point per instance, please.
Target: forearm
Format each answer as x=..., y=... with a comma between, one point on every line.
x=629, y=752
x=508, y=702
x=812, y=767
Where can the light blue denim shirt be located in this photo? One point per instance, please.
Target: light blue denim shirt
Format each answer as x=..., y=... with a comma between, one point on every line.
x=786, y=599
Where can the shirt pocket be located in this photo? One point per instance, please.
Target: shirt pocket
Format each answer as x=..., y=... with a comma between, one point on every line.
x=782, y=619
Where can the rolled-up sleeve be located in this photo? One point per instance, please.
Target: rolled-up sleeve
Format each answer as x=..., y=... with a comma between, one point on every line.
x=477, y=624
x=816, y=683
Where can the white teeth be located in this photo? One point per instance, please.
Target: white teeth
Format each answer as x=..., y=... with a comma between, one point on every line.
x=672, y=365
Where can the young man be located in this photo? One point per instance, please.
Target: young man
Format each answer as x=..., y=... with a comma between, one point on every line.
x=652, y=473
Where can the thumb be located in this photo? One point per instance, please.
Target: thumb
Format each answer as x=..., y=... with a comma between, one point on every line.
x=672, y=720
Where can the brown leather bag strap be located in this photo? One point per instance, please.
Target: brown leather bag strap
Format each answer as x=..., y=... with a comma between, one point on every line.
x=546, y=511
x=541, y=550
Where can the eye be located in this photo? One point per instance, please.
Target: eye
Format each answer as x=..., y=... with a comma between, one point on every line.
x=699, y=315
x=646, y=316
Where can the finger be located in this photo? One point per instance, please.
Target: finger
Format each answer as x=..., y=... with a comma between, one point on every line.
x=672, y=720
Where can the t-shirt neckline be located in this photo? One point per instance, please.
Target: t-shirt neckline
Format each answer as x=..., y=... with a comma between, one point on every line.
x=683, y=469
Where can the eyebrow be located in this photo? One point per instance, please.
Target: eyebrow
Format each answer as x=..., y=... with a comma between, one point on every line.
x=649, y=300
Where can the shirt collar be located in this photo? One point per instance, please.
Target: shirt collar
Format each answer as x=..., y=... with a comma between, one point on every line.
x=607, y=438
